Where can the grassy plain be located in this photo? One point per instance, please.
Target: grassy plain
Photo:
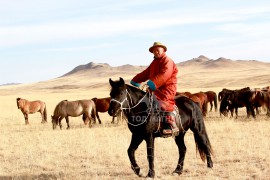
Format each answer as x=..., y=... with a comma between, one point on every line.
x=35, y=151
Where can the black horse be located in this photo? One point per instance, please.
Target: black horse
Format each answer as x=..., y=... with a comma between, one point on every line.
x=144, y=124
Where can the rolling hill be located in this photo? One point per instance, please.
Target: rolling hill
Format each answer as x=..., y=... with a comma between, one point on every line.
x=200, y=72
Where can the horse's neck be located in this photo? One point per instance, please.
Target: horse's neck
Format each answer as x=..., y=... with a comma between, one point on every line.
x=135, y=95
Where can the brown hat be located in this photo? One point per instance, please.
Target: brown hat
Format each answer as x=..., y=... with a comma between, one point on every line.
x=157, y=44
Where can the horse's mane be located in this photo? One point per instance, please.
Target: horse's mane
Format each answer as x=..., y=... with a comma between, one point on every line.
x=57, y=107
x=135, y=89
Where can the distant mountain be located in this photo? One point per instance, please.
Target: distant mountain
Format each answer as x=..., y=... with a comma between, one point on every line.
x=89, y=66
x=201, y=62
x=9, y=84
x=222, y=63
x=100, y=68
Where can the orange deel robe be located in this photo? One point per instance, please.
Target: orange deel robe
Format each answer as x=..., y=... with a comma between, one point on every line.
x=162, y=72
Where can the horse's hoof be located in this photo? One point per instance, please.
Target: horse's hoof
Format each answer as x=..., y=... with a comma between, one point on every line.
x=176, y=172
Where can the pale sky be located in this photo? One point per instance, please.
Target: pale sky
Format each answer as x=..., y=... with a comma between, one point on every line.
x=41, y=40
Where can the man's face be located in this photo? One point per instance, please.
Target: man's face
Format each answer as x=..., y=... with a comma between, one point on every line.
x=158, y=52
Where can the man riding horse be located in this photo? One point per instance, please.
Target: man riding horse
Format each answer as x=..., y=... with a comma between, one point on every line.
x=161, y=76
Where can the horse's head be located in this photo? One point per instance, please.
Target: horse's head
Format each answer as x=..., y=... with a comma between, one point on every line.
x=224, y=104
x=118, y=96
x=54, y=121
x=20, y=102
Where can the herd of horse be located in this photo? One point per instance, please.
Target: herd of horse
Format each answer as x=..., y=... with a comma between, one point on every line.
x=145, y=120
x=252, y=99
x=89, y=110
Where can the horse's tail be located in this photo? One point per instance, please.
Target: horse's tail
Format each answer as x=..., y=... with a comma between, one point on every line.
x=219, y=96
x=84, y=117
x=45, y=113
x=204, y=107
x=202, y=141
x=202, y=147
x=215, y=102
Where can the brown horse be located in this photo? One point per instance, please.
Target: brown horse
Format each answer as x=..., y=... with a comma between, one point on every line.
x=203, y=101
x=66, y=108
x=211, y=97
x=190, y=96
x=102, y=105
x=199, y=98
x=262, y=99
x=30, y=107
x=187, y=94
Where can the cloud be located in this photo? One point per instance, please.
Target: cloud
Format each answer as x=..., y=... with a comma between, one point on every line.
x=53, y=31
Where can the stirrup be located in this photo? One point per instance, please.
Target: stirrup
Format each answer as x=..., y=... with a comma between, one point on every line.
x=167, y=131
x=175, y=132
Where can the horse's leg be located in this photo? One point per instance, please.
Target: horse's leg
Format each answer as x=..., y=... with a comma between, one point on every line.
x=134, y=144
x=236, y=112
x=67, y=121
x=113, y=120
x=26, y=118
x=42, y=116
x=252, y=111
x=231, y=110
x=59, y=120
x=179, y=140
x=211, y=105
x=99, y=121
x=97, y=118
x=150, y=154
x=88, y=115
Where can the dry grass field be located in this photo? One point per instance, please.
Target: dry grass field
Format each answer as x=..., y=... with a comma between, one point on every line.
x=36, y=151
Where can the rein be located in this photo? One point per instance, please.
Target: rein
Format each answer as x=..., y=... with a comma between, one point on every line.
x=129, y=108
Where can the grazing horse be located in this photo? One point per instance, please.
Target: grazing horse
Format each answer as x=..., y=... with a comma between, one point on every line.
x=211, y=97
x=102, y=105
x=144, y=122
x=66, y=108
x=222, y=93
x=30, y=107
x=238, y=98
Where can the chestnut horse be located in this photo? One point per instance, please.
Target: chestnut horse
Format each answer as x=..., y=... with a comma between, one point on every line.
x=190, y=96
x=199, y=98
x=211, y=97
x=204, y=101
x=66, y=108
x=102, y=105
x=30, y=107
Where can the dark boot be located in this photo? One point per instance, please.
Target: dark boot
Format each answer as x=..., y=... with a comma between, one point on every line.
x=174, y=129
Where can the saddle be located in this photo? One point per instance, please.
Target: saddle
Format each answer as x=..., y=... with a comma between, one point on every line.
x=161, y=116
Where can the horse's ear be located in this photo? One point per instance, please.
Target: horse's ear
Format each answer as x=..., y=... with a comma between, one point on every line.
x=111, y=82
x=122, y=82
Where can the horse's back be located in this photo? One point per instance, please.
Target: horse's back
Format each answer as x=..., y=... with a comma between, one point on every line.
x=211, y=95
x=35, y=106
x=74, y=108
x=102, y=104
x=189, y=112
x=186, y=105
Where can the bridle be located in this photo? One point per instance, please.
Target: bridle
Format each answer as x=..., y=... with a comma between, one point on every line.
x=129, y=107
